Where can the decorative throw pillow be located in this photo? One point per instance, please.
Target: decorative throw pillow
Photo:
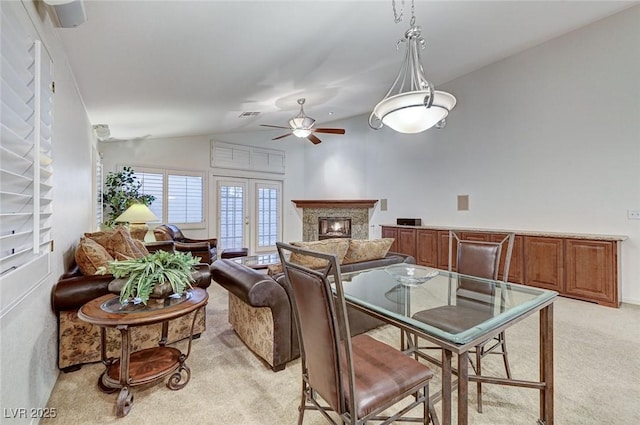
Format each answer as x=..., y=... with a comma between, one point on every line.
x=141, y=247
x=101, y=237
x=122, y=243
x=274, y=269
x=336, y=246
x=90, y=256
x=367, y=249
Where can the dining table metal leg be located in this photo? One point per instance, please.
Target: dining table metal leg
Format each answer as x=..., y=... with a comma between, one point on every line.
x=463, y=388
x=446, y=387
x=546, y=365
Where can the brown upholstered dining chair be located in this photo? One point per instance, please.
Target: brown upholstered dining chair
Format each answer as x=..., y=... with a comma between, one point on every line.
x=358, y=378
x=475, y=301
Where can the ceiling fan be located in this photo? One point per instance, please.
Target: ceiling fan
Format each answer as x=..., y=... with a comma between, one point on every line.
x=302, y=126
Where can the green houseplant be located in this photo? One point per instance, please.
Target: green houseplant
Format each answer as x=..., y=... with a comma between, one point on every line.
x=122, y=189
x=156, y=275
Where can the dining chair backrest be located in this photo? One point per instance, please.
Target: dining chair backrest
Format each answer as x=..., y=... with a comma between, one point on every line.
x=321, y=316
x=479, y=259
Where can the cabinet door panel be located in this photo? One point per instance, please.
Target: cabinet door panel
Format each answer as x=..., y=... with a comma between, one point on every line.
x=427, y=248
x=590, y=270
x=443, y=251
x=544, y=262
x=391, y=232
x=407, y=241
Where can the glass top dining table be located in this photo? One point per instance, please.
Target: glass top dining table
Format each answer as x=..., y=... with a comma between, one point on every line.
x=455, y=312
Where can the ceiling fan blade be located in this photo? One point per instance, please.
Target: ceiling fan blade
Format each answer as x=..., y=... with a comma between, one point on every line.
x=273, y=126
x=329, y=130
x=280, y=137
x=313, y=139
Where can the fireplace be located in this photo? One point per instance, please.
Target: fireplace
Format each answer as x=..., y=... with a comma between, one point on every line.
x=334, y=227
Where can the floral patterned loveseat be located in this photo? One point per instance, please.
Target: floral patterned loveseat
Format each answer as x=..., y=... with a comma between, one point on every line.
x=79, y=342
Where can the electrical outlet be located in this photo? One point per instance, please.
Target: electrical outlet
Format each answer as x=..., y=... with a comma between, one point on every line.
x=633, y=214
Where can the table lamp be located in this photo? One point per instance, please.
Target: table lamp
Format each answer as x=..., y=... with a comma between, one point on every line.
x=137, y=215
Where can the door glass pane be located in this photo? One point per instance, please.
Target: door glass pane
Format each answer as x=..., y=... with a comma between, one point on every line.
x=267, y=216
x=231, y=216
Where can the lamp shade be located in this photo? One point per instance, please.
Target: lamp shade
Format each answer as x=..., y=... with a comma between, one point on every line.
x=137, y=213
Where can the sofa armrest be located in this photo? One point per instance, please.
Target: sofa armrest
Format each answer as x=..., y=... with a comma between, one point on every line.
x=73, y=292
x=254, y=288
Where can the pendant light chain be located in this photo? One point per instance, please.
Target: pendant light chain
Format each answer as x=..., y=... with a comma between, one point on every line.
x=397, y=18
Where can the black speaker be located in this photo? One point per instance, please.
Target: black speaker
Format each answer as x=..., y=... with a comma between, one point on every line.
x=409, y=221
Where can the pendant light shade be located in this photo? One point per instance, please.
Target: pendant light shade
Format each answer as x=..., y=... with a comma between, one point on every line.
x=412, y=105
x=407, y=113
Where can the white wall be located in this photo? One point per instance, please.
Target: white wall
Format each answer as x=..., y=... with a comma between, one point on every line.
x=544, y=140
x=28, y=350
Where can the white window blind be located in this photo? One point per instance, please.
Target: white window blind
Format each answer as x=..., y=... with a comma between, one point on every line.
x=185, y=199
x=179, y=194
x=25, y=146
x=153, y=184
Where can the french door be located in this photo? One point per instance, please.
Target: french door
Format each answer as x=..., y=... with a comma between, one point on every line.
x=248, y=213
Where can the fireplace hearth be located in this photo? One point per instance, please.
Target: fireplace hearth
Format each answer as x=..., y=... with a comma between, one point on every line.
x=334, y=227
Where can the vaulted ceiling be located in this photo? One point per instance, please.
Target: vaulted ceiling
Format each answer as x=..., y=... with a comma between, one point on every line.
x=152, y=69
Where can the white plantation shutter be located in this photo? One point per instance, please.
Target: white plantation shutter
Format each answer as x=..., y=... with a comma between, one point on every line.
x=153, y=184
x=25, y=148
x=185, y=199
x=179, y=194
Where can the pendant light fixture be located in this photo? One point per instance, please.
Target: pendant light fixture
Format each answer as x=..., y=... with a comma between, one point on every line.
x=411, y=105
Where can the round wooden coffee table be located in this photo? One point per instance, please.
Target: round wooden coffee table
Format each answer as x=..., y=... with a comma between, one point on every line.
x=148, y=365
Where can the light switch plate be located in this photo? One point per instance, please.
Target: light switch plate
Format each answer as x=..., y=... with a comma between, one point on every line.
x=383, y=204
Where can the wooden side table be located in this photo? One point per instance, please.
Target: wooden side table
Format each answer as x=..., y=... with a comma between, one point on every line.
x=148, y=365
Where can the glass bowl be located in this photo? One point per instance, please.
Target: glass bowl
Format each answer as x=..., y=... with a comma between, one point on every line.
x=411, y=274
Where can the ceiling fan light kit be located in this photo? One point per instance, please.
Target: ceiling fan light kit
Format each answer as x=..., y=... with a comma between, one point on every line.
x=412, y=105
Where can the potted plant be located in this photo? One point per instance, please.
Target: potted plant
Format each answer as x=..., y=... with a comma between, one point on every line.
x=156, y=275
x=122, y=189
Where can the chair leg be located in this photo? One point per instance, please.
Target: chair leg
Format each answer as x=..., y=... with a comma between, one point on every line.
x=505, y=354
x=303, y=402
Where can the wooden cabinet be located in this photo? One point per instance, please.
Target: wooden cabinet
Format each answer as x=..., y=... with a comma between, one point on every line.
x=590, y=270
x=391, y=232
x=578, y=267
x=427, y=247
x=544, y=262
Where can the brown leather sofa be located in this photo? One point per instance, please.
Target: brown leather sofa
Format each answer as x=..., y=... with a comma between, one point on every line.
x=79, y=342
x=206, y=249
x=260, y=310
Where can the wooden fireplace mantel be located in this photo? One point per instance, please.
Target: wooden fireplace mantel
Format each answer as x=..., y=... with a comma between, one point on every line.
x=335, y=203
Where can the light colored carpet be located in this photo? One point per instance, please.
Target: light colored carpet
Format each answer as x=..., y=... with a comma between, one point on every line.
x=597, y=375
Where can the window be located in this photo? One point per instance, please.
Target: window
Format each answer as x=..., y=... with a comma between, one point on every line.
x=26, y=174
x=179, y=195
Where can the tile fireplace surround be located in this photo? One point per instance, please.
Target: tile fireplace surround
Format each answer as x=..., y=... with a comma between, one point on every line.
x=357, y=210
